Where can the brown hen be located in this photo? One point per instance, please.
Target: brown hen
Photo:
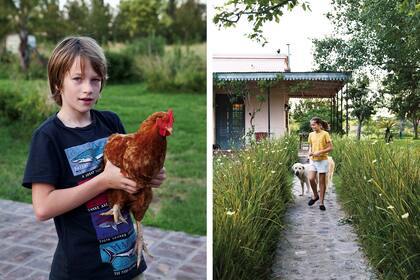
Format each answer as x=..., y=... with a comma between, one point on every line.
x=140, y=156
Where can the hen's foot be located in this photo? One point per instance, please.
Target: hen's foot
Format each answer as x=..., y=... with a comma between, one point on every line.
x=116, y=212
x=140, y=244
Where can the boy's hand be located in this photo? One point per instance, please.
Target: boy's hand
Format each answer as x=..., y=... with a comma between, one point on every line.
x=159, y=179
x=114, y=179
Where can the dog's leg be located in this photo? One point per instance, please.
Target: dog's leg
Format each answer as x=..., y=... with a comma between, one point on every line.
x=303, y=187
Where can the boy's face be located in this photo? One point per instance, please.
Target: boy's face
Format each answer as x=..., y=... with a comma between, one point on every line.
x=80, y=89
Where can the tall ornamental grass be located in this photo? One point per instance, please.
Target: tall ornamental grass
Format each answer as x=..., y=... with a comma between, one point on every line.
x=380, y=187
x=250, y=189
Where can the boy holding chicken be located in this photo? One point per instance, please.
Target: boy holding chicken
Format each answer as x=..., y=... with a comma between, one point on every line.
x=64, y=171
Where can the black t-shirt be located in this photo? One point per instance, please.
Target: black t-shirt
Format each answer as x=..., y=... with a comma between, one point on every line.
x=90, y=246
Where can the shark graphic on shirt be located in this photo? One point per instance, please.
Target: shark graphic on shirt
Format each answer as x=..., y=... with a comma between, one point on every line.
x=85, y=157
x=112, y=255
x=93, y=154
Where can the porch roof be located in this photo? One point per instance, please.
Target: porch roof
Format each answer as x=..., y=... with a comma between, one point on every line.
x=322, y=84
x=287, y=76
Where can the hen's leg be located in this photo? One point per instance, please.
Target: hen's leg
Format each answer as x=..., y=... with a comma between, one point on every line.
x=116, y=212
x=140, y=244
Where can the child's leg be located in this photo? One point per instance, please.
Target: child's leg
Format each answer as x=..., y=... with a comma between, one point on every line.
x=312, y=180
x=322, y=187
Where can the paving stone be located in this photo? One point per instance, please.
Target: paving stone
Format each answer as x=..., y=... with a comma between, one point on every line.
x=193, y=269
x=27, y=248
x=19, y=273
x=38, y=276
x=315, y=246
x=6, y=268
x=171, y=250
x=18, y=254
x=40, y=264
x=186, y=276
x=200, y=258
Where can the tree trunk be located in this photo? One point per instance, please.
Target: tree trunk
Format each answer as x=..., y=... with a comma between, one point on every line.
x=359, y=129
x=401, y=127
x=415, y=127
x=24, y=49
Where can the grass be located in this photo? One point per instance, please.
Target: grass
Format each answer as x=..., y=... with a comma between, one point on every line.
x=180, y=202
x=382, y=194
x=250, y=190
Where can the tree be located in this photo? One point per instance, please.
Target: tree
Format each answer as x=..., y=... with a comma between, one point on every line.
x=386, y=35
x=256, y=12
x=99, y=21
x=139, y=18
x=52, y=25
x=189, y=21
x=306, y=109
x=363, y=102
x=78, y=15
x=21, y=17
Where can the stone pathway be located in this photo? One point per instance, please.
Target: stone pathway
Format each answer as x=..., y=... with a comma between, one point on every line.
x=27, y=247
x=315, y=246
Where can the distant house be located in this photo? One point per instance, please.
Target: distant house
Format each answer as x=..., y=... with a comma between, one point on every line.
x=13, y=41
x=232, y=117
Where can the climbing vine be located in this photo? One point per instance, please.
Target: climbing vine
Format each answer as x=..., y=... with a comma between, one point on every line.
x=242, y=91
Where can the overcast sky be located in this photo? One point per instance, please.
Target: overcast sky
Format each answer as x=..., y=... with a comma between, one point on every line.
x=296, y=28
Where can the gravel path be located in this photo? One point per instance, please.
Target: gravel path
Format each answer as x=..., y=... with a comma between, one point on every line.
x=315, y=245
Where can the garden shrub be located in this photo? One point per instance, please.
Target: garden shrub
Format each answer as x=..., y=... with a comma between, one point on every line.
x=121, y=67
x=251, y=189
x=177, y=70
x=146, y=46
x=379, y=185
x=25, y=102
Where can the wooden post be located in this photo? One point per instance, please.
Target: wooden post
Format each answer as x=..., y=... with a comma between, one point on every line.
x=331, y=111
x=347, y=115
x=333, y=128
x=337, y=118
x=269, y=121
x=341, y=110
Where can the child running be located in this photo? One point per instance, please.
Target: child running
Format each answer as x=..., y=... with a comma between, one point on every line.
x=319, y=145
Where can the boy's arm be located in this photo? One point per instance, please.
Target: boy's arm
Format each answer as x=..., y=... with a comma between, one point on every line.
x=49, y=202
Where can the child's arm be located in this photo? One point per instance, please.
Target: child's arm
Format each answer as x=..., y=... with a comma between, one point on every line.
x=49, y=202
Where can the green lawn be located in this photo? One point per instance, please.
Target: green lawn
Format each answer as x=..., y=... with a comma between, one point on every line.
x=180, y=203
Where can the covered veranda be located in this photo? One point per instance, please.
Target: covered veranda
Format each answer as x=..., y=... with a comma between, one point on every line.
x=273, y=118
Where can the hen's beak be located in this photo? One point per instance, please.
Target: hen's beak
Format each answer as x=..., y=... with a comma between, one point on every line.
x=169, y=130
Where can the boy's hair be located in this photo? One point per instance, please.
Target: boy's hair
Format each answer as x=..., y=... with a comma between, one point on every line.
x=321, y=122
x=63, y=56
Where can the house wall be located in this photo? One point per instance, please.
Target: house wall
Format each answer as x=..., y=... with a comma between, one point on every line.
x=250, y=63
x=277, y=114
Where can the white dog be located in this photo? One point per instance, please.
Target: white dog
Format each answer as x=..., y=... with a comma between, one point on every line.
x=302, y=172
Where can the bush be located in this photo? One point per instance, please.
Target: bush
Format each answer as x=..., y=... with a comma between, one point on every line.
x=250, y=192
x=25, y=102
x=10, y=67
x=146, y=46
x=380, y=187
x=121, y=67
x=177, y=70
